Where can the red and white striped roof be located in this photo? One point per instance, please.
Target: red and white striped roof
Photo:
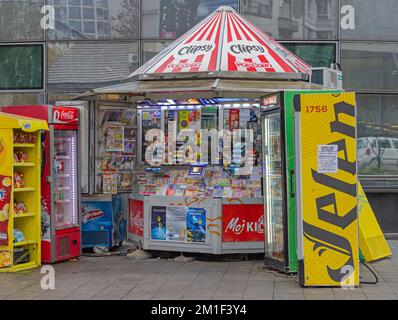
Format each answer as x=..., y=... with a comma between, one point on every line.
x=224, y=41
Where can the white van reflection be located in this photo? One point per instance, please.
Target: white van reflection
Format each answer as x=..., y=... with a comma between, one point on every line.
x=377, y=155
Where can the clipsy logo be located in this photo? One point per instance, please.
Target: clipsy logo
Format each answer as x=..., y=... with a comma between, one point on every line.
x=194, y=49
x=244, y=49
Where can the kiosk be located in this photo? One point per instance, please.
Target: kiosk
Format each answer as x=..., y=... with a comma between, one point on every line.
x=211, y=78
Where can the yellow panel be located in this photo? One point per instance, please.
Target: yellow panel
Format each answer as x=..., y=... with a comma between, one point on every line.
x=6, y=151
x=29, y=224
x=9, y=121
x=372, y=243
x=329, y=189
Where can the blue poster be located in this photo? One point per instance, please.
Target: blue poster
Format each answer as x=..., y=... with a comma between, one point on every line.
x=158, y=223
x=196, y=224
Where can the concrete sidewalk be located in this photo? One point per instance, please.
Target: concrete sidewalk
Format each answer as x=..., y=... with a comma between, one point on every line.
x=118, y=277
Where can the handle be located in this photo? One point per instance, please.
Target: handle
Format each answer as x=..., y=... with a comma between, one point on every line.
x=292, y=183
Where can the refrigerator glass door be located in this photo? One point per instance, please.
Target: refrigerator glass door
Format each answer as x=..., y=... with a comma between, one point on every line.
x=273, y=179
x=65, y=179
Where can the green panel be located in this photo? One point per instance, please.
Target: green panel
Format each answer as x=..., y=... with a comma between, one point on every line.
x=288, y=97
x=21, y=67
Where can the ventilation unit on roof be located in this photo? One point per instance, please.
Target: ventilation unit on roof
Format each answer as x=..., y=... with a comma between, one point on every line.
x=327, y=77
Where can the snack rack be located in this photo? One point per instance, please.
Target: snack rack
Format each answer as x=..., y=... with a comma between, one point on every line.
x=20, y=206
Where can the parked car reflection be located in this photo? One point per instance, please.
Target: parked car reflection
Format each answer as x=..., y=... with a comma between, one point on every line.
x=378, y=155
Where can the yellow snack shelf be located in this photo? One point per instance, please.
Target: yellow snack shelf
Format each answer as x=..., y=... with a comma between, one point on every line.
x=24, y=215
x=24, y=164
x=27, y=189
x=28, y=223
x=24, y=243
x=24, y=145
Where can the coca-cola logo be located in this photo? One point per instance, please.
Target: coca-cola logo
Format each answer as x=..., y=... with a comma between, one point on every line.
x=62, y=115
x=194, y=49
x=245, y=49
x=94, y=214
x=238, y=225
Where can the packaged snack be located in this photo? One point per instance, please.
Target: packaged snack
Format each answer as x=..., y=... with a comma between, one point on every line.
x=18, y=235
x=5, y=258
x=24, y=137
x=19, y=207
x=19, y=181
x=20, y=156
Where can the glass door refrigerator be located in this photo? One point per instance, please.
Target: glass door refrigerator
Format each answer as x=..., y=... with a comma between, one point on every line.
x=60, y=206
x=279, y=179
x=278, y=183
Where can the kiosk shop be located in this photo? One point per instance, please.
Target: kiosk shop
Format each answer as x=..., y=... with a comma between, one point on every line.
x=184, y=196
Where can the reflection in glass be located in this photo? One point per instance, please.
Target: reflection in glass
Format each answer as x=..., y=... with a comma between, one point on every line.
x=370, y=65
x=95, y=19
x=20, y=20
x=377, y=134
x=169, y=19
x=14, y=99
x=84, y=65
x=294, y=19
x=151, y=49
x=315, y=54
x=375, y=20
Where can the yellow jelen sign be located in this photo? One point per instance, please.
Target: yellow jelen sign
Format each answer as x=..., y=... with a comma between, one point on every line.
x=327, y=182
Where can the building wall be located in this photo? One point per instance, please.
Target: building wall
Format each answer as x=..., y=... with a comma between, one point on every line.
x=99, y=42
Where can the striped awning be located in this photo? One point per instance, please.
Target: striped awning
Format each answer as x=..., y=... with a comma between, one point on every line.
x=224, y=42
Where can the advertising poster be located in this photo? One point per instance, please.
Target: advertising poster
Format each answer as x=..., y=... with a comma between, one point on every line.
x=115, y=138
x=136, y=217
x=328, y=189
x=5, y=196
x=158, y=223
x=196, y=224
x=234, y=119
x=243, y=223
x=109, y=183
x=96, y=217
x=184, y=120
x=176, y=223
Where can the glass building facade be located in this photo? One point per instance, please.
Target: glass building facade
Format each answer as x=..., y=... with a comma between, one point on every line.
x=99, y=42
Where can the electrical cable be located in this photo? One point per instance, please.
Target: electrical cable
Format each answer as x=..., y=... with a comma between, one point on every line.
x=371, y=271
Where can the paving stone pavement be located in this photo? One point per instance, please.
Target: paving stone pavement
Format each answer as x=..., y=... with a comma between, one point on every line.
x=117, y=278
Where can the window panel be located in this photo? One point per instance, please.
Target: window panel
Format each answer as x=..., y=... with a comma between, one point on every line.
x=20, y=20
x=373, y=20
x=21, y=67
x=294, y=19
x=151, y=49
x=377, y=134
x=315, y=54
x=370, y=66
x=169, y=19
x=116, y=19
x=79, y=66
x=14, y=99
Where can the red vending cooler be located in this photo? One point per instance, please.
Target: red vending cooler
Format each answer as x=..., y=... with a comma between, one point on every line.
x=60, y=222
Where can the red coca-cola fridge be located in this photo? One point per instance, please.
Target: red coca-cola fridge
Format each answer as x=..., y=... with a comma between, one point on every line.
x=60, y=221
